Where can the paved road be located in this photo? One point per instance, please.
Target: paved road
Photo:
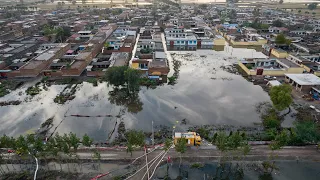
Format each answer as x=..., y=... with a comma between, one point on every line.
x=306, y=152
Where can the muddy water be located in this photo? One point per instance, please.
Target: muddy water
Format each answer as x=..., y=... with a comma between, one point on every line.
x=204, y=94
x=285, y=170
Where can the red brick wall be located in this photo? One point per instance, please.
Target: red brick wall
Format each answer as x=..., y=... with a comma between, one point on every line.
x=95, y=73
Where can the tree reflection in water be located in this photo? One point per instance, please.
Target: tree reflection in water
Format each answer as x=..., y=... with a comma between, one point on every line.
x=220, y=171
x=122, y=97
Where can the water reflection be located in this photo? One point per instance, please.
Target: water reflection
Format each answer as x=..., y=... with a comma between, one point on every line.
x=240, y=171
x=121, y=97
x=205, y=94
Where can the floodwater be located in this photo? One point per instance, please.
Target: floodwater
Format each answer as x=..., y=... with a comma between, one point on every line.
x=204, y=94
x=284, y=170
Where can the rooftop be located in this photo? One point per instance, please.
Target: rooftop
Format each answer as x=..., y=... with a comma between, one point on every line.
x=288, y=63
x=32, y=64
x=304, y=79
x=160, y=55
x=158, y=64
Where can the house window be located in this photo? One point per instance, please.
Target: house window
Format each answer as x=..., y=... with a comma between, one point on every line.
x=182, y=42
x=178, y=42
x=190, y=42
x=194, y=42
x=143, y=66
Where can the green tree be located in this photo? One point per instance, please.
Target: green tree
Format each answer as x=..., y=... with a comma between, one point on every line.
x=74, y=141
x=129, y=149
x=135, y=137
x=167, y=144
x=86, y=140
x=271, y=119
x=306, y=132
x=281, y=140
x=232, y=14
x=181, y=147
x=5, y=142
x=278, y=23
x=116, y=75
x=312, y=6
x=281, y=96
x=203, y=6
x=133, y=78
x=221, y=141
x=97, y=155
x=231, y=142
x=299, y=11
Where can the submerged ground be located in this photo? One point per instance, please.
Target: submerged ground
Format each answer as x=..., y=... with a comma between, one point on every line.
x=205, y=93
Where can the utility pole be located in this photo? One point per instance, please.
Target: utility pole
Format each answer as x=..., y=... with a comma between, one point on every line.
x=152, y=135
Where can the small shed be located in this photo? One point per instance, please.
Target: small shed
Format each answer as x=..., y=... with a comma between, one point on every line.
x=273, y=83
x=302, y=82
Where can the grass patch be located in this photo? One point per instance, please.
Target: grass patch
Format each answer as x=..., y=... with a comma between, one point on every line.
x=33, y=90
x=93, y=81
x=197, y=166
x=7, y=86
x=148, y=82
x=271, y=119
x=66, y=95
x=172, y=80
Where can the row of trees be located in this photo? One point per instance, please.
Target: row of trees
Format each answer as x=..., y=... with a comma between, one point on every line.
x=54, y=149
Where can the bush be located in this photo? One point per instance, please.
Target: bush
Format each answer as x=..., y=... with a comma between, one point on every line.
x=249, y=66
x=204, y=133
x=271, y=119
x=147, y=82
x=197, y=166
x=33, y=90
x=172, y=80
x=93, y=81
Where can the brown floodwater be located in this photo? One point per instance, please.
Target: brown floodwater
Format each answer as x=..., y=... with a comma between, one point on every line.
x=204, y=94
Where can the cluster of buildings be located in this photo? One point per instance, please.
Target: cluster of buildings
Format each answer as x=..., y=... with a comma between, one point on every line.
x=139, y=37
x=92, y=45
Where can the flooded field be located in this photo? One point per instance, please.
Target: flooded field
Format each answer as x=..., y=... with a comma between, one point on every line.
x=205, y=93
x=250, y=171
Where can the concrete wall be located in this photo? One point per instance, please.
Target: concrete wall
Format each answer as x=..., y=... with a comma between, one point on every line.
x=272, y=72
x=219, y=42
x=248, y=43
x=277, y=54
x=279, y=72
x=95, y=73
x=248, y=71
x=297, y=70
x=52, y=73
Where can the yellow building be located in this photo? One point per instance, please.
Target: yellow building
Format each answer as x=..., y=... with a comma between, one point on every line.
x=191, y=137
x=279, y=53
x=270, y=67
x=219, y=41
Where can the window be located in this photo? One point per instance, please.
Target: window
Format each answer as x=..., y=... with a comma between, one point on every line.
x=190, y=42
x=144, y=66
x=178, y=42
x=194, y=42
x=182, y=42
